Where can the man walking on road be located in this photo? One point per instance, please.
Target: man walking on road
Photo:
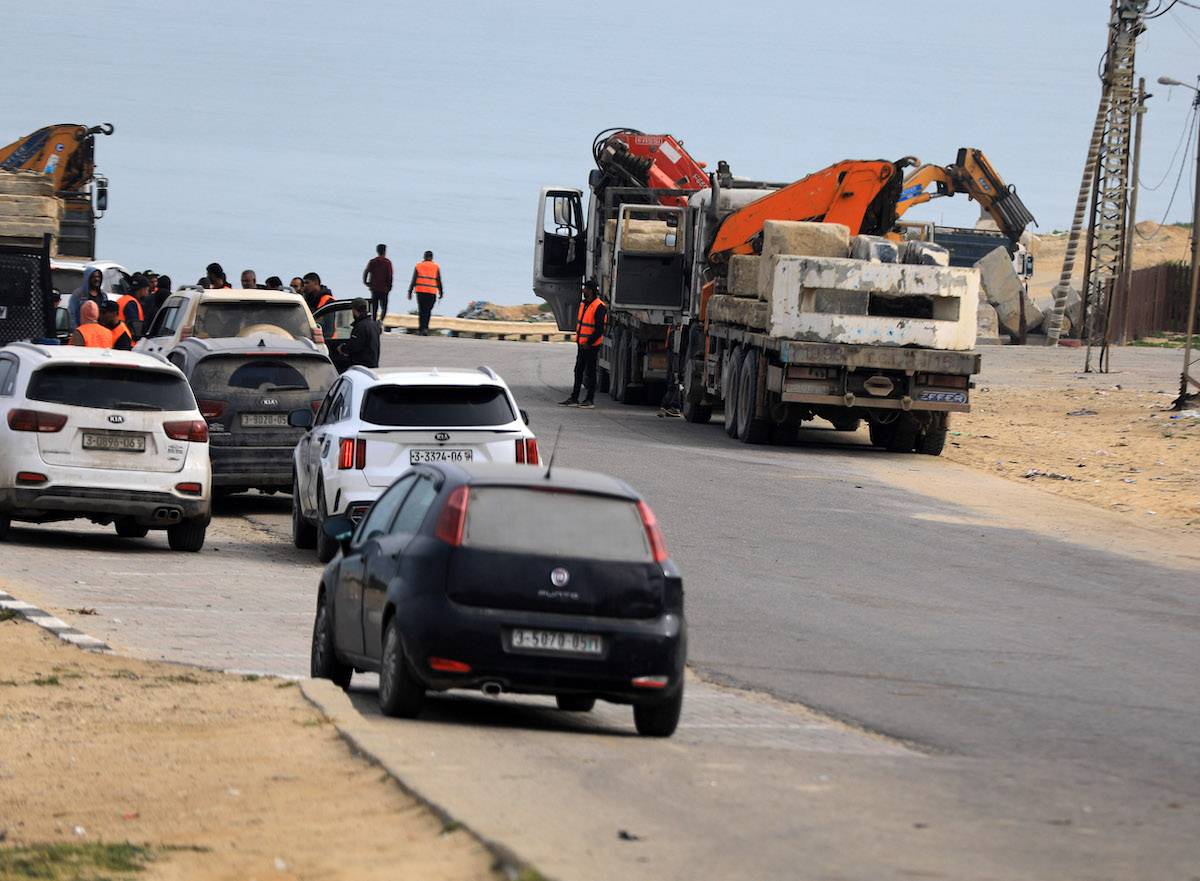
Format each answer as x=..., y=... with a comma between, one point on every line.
x=589, y=334
x=363, y=346
x=378, y=279
x=427, y=283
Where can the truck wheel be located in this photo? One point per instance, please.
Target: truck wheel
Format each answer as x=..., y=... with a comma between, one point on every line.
x=750, y=429
x=619, y=386
x=846, y=422
x=603, y=380
x=729, y=389
x=693, y=394
x=904, y=435
x=187, y=535
x=304, y=534
x=931, y=442
x=881, y=433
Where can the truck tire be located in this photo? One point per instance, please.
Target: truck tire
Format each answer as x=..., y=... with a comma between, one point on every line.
x=881, y=433
x=620, y=372
x=931, y=442
x=750, y=428
x=729, y=389
x=904, y=435
x=693, y=394
x=846, y=422
x=603, y=380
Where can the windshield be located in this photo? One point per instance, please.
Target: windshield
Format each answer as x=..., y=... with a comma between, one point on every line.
x=111, y=388
x=557, y=524
x=241, y=318
x=442, y=406
x=265, y=373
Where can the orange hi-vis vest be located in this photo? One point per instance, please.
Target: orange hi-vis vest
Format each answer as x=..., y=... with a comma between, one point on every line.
x=125, y=301
x=96, y=336
x=325, y=300
x=428, y=274
x=586, y=325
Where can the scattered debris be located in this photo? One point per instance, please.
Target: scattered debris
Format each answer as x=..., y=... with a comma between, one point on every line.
x=628, y=836
x=1083, y=412
x=1052, y=475
x=83, y=610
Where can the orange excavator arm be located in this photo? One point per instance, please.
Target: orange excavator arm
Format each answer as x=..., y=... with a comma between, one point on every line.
x=62, y=152
x=858, y=193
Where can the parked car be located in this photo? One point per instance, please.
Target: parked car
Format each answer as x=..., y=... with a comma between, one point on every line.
x=503, y=578
x=66, y=275
x=107, y=436
x=336, y=321
x=374, y=424
x=246, y=388
x=215, y=314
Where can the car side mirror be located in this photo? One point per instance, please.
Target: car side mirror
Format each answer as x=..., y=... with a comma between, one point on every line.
x=301, y=418
x=339, y=529
x=525, y=416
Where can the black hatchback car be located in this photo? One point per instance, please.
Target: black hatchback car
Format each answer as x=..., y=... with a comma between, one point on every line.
x=247, y=388
x=503, y=579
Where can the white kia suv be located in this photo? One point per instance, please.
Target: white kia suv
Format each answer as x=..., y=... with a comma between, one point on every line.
x=103, y=435
x=374, y=424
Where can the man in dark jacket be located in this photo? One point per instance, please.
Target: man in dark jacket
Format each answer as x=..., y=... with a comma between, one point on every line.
x=378, y=279
x=363, y=346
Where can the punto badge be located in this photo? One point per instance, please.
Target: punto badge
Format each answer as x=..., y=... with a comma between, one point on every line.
x=559, y=577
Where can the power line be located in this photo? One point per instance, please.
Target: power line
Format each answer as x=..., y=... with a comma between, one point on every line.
x=1178, y=178
x=1183, y=27
x=1183, y=133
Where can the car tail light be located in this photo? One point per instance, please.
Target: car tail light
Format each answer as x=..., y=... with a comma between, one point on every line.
x=318, y=336
x=192, y=430
x=31, y=477
x=36, y=420
x=453, y=518
x=527, y=451
x=211, y=410
x=185, y=332
x=445, y=665
x=352, y=453
x=189, y=489
x=651, y=681
x=658, y=546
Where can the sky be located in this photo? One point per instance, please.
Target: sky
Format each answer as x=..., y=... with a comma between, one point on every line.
x=293, y=135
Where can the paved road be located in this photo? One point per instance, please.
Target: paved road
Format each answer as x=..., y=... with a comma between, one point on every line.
x=1052, y=686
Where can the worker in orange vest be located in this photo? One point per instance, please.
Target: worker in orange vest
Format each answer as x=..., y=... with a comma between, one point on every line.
x=110, y=317
x=89, y=331
x=589, y=334
x=132, y=307
x=427, y=284
x=315, y=293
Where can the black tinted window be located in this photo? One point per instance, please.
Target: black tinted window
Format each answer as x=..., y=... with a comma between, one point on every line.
x=217, y=319
x=111, y=388
x=380, y=516
x=437, y=405
x=412, y=512
x=264, y=374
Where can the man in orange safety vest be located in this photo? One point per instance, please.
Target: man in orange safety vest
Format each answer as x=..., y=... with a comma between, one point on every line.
x=589, y=334
x=427, y=284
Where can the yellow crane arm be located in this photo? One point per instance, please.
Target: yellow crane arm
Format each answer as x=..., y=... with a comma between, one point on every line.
x=62, y=152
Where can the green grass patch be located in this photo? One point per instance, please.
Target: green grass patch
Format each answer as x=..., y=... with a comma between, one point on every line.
x=287, y=683
x=7, y=614
x=180, y=679
x=46, y=680
x=73, y=862
x=251, y=677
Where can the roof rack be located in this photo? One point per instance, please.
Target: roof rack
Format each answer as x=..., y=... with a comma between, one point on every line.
x=364, y=370
x=488, y=372
x=31, y=346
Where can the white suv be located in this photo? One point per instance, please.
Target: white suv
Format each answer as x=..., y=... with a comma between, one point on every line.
x=112, y=437
x=374, y=424
x=218, y=314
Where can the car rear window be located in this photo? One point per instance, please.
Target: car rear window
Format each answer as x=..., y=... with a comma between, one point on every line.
x=557, y=524
x=264, y=373
x=215, y=319
x=437, y=405
x=110, y=388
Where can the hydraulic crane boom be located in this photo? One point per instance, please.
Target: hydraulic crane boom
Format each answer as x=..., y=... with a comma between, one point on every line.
x=63, y=152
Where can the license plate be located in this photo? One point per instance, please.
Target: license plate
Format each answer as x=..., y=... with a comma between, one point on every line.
x=264, y=420
x=557, y=641
x=417, y=456
x=124, y=443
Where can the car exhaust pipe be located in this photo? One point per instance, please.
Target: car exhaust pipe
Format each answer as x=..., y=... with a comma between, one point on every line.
x=167, y=515
x=492, y=689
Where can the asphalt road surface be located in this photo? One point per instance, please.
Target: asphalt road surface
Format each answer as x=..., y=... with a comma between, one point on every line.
x=1021, y=704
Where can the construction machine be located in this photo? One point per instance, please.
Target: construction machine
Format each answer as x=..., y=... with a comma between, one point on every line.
x=62, y=156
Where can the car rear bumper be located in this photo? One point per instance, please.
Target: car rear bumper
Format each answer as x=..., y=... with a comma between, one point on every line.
x=480, y=637
x=53, y=501
x=251, y=466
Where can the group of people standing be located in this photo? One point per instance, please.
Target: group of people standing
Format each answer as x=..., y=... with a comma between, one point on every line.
x=426, y=285
x=97, y=320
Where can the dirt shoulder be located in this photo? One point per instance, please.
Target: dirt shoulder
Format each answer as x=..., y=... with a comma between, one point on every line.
x=109, y=763
x=1116, y=448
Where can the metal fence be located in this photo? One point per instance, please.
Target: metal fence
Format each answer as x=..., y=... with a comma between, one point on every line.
x=1158, y=303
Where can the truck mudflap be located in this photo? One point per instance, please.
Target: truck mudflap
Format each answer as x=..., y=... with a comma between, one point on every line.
x=879, y=357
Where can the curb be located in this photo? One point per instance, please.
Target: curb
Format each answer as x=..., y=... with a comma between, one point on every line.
x=335, y=705
x=57, y=626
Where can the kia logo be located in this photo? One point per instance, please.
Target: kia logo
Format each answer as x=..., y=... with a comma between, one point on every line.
x=442, y=436
x=270, y=402
x=559, y=577
x=116, y=419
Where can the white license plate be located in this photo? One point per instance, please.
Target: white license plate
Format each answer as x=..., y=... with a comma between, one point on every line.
x=124, y=443
x=264, y=420
x=418, y=456
x=557, y=641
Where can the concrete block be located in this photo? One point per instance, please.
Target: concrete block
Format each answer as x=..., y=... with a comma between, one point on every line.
x=987, y=323
x=877, y=249
x=742, y=280
x=646, y=236
x=1006, y=292
x=25, y=183
x=796, y=237
x=924, y=254
x=30, y=206
x=739, y=310
x=859, y=302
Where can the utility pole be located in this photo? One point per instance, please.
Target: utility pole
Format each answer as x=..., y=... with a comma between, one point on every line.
x=1190, y=375
x=1125, y=281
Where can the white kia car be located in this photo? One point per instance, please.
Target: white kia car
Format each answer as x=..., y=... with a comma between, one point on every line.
x=102, y=435
x=374, y=424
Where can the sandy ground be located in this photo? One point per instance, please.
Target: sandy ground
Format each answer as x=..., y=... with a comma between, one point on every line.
x=223, y=777
x=1152, y=244
x=1123, y=451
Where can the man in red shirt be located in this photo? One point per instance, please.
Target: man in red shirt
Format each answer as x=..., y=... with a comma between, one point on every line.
x=378, y=279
